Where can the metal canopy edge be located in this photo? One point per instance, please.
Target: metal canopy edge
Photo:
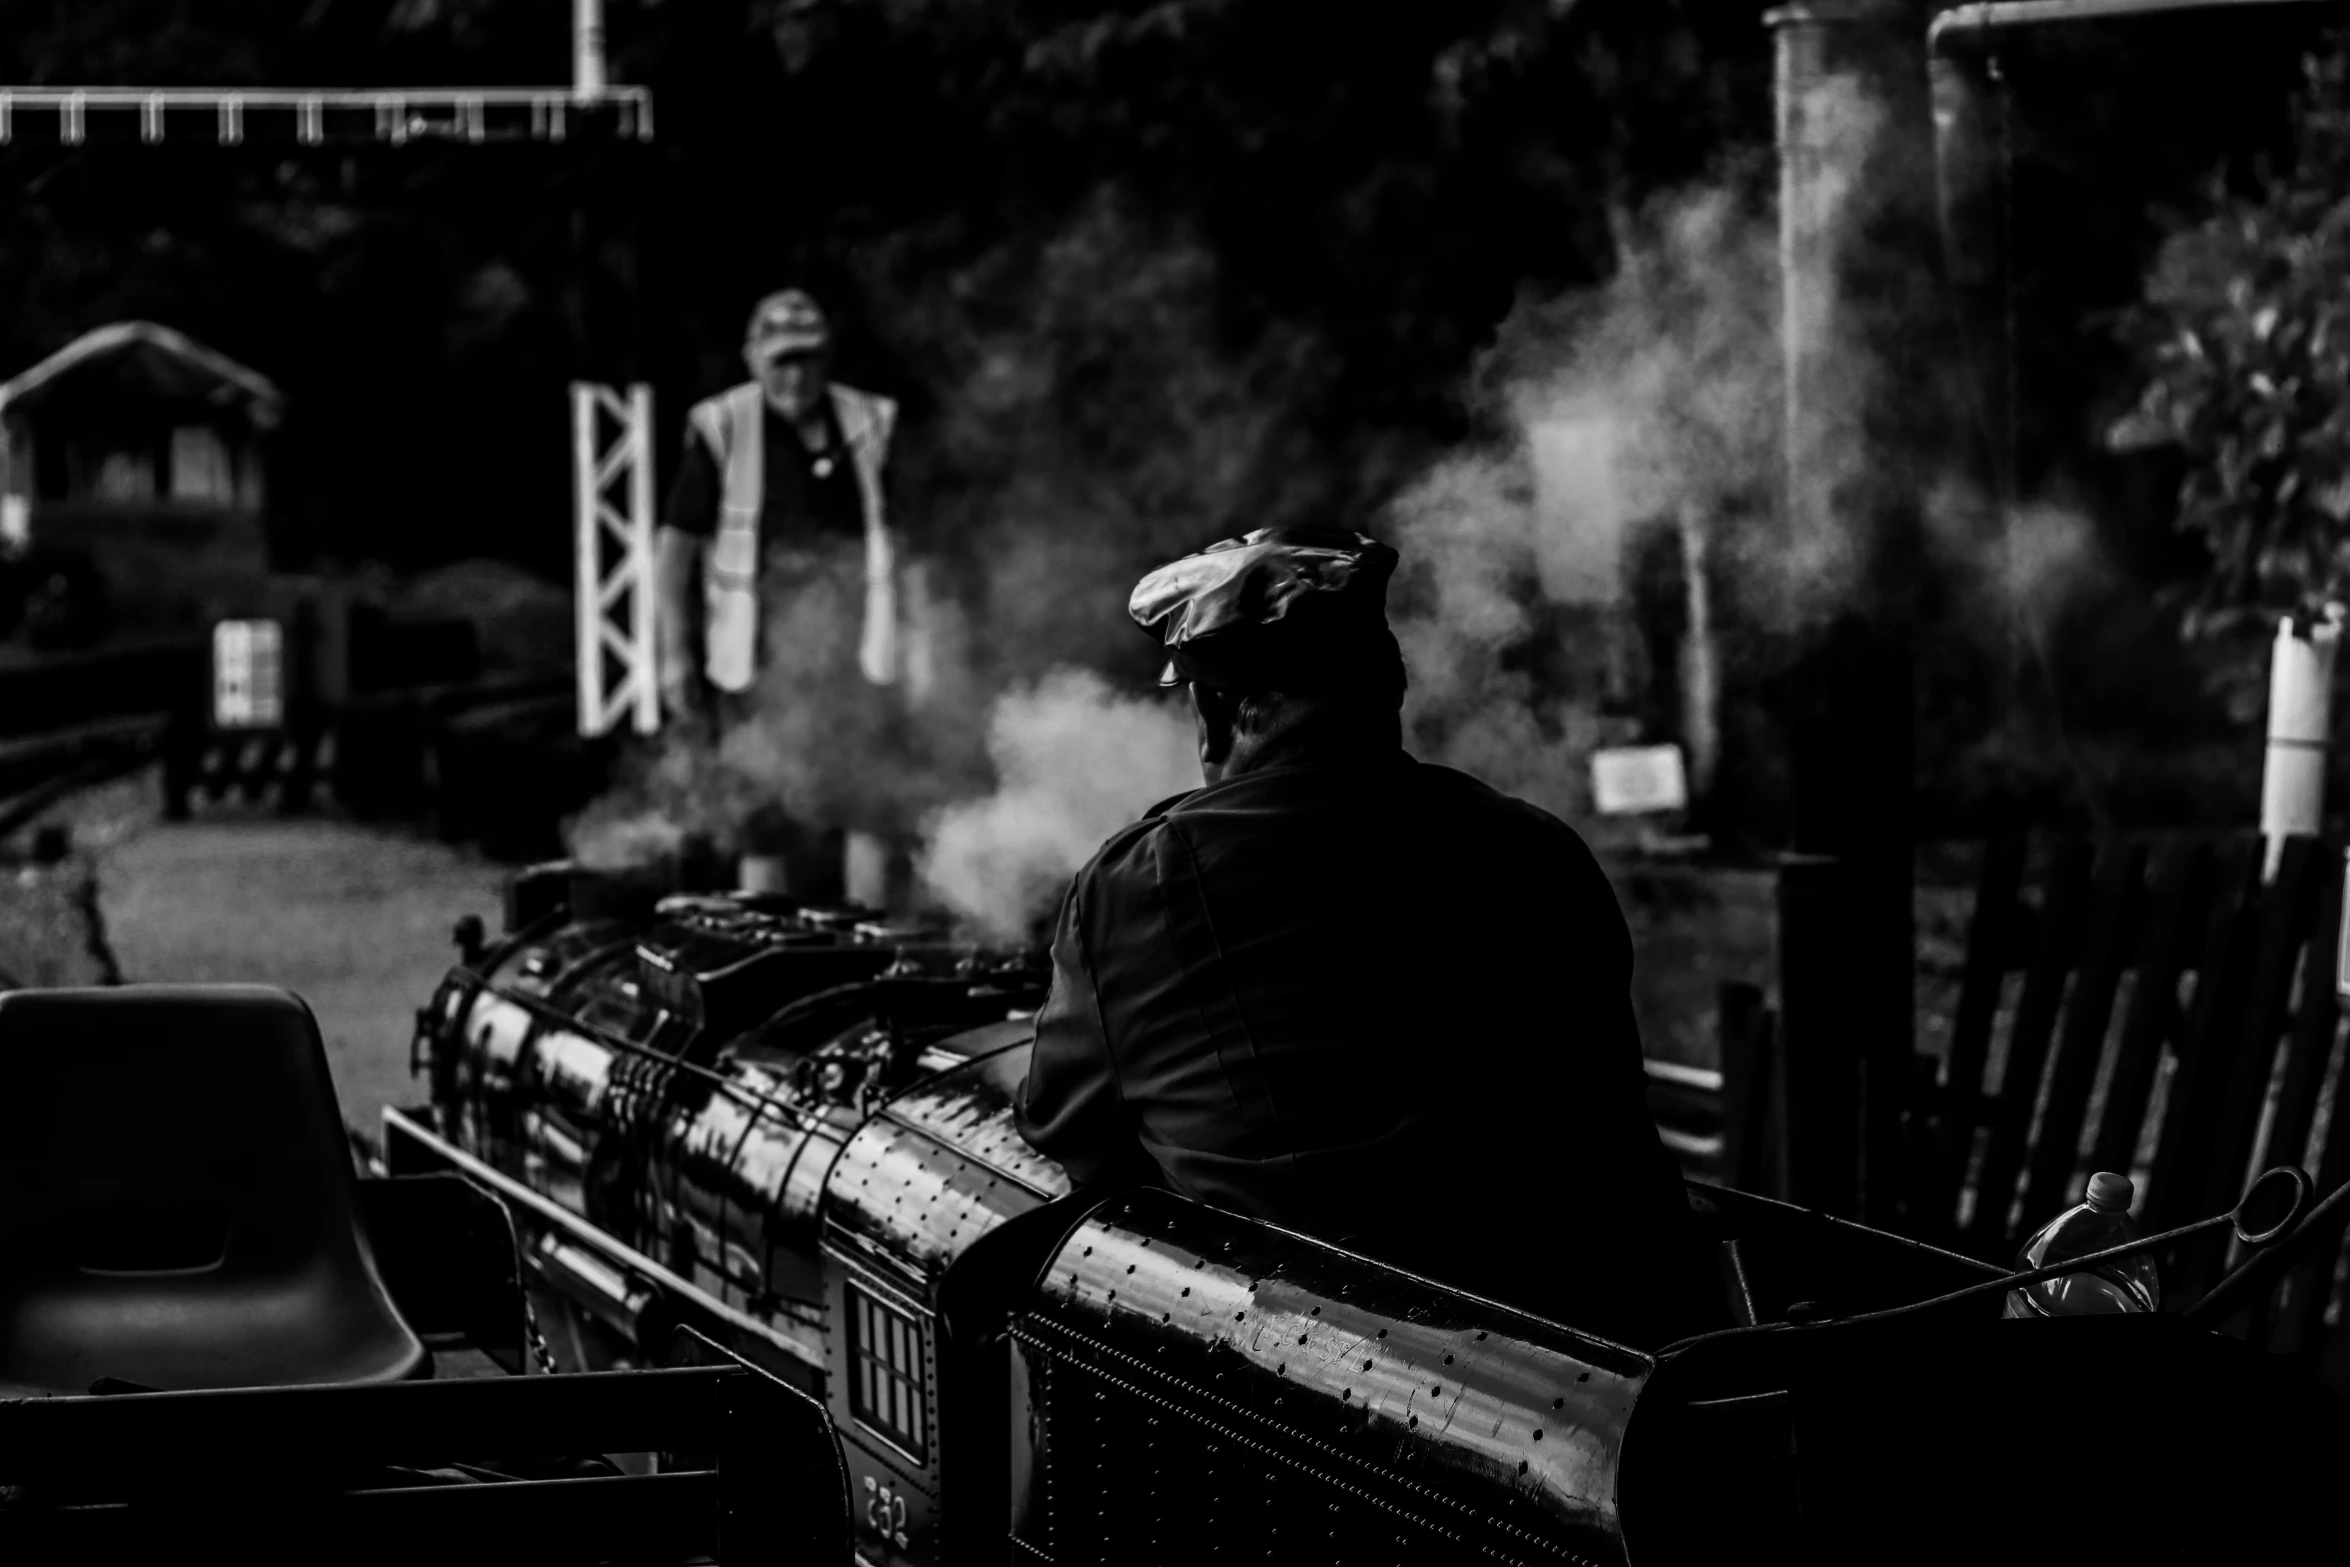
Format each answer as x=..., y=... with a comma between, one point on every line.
x=1966, y=25
x=318, y=114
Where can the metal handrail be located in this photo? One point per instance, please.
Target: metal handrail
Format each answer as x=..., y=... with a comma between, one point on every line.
x=2269, y=1263
x=2290, y=1226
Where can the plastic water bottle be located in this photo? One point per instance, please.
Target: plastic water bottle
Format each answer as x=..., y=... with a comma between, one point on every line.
x=2128, y=1284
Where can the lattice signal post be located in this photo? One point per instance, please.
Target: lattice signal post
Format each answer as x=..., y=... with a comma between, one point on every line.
x=614, y=546
x=613, y=474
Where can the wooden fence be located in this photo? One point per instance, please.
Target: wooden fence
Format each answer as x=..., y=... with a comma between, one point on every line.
x=497, y=762
x=2154, y=1006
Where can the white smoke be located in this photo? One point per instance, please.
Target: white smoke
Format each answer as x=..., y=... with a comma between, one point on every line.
x=1029, y=514
x=1075, y=762
x=1651, y=399
x=1655, y=401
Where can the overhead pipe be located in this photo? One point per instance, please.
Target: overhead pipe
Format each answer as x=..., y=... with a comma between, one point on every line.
x=1961, y=49
x=1963, y=29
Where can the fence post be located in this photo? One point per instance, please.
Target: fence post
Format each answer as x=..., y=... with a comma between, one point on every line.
x=1754, y=1153
x=1822, y=1010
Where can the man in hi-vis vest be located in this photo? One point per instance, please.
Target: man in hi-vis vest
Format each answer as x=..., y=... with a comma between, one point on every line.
x=784, y=468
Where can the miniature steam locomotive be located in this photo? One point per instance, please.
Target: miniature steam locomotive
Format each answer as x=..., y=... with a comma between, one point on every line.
x=791, y=1130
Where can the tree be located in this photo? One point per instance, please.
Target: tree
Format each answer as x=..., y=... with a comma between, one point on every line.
x=2244, y=340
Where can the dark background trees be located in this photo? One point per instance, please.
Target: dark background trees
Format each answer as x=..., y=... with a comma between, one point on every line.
x=1295, y=224
x=1143, y=274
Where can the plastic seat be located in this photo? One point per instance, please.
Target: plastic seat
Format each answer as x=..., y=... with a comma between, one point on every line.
x=177, y=1202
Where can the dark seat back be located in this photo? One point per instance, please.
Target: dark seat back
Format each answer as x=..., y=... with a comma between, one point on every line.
x=177, y=1198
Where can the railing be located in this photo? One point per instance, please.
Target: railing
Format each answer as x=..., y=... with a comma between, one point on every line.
x=311, y=117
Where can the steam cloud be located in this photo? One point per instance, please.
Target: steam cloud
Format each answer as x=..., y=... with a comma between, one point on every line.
x=1070, y=760
x=813, y=742
x=1076, y=762
x=1654, y=403
x=1030, y=514
x=1651, y=400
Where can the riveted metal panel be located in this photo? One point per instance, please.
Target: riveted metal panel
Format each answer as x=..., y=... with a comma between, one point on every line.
x=906, y=1204
x=937, y=1169
x=1245, y=1384
x=970, y=1106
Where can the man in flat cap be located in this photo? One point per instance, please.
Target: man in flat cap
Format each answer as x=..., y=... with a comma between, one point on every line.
x=780, y=474
x=1350, y=993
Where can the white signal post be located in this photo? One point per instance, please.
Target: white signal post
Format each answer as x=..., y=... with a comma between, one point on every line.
x=612, y=492
x=613, y=483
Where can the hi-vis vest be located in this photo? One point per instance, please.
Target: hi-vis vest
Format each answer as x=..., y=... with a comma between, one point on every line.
x=729, y=425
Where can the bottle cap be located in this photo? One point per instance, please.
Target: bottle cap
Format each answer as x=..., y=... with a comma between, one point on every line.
x=2110, y=1192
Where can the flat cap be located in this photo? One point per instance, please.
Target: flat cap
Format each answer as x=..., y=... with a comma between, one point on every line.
x=1294, y=609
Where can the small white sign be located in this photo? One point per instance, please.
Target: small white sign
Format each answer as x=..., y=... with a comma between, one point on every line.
x=1634, y=780
x=248, y=674
x=16, y=523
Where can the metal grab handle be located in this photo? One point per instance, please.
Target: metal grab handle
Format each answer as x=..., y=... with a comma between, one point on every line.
x=2234, y=1217
x=2272, y=1258
x=2294, y=1178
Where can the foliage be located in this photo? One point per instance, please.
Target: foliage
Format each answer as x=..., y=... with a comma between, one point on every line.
x=2244, y=339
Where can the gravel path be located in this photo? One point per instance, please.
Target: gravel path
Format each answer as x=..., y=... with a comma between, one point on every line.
x=355, y=920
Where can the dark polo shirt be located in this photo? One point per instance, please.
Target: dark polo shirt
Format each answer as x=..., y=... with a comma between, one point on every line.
x=807, y=497
x=1378, y=1002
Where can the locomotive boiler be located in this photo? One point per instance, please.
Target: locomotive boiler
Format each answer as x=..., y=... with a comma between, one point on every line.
x=779, y=1125
x=791, y=1130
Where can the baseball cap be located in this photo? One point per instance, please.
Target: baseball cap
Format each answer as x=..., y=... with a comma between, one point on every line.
x=785, y=323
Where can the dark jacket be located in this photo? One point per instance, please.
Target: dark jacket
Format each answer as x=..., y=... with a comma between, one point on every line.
x=1378, y=1002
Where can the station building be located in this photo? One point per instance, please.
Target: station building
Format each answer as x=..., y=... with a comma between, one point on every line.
x=143, y=455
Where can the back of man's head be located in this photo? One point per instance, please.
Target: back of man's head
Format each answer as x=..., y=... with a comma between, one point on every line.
x=1364, y=718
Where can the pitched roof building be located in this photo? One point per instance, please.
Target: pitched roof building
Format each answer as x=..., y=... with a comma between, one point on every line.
x=144, y=451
